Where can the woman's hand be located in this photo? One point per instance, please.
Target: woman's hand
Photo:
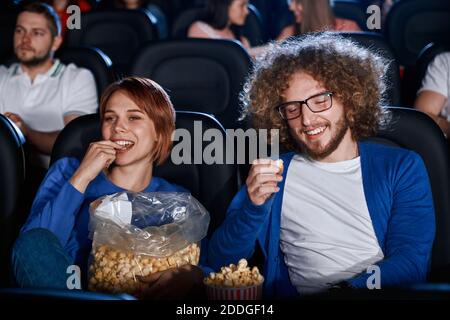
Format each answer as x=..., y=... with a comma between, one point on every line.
x=262, y=180
x=185, y=282
x=99, y=156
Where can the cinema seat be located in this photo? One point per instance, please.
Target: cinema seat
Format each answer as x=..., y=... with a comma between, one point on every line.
x=12, y=172
x=118, y=33
x=416, y=131
x=378, y=44
x=352, y=10
x=202, y=75
x=412, y=24
x=7, y=26
x=92, y=59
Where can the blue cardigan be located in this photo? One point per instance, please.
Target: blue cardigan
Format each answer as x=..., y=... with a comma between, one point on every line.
x=63, y=210
x=398, y=195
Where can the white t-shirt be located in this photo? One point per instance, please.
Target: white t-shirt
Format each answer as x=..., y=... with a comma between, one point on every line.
x=437, y=79
x=43, y=104
x=327, y=234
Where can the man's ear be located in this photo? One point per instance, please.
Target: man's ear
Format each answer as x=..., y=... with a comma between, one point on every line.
x=57, y=41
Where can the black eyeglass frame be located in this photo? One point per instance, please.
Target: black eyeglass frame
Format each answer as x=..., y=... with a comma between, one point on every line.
x=302, y=102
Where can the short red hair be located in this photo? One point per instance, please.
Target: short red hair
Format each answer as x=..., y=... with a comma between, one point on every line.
x=150, y=97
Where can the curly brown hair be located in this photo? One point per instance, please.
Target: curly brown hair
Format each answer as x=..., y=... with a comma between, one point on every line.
x=354, y=74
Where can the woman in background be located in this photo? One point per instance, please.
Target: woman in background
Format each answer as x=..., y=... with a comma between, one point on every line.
x=314, y=16
x=223, y=19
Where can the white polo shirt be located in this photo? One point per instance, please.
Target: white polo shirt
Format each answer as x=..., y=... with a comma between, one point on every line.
x=437, y=79
x=43, y=104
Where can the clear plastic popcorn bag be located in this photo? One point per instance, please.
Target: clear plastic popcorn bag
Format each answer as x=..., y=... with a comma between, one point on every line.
x=137, y=234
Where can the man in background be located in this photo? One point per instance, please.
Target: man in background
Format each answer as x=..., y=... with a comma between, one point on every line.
x=39, y=93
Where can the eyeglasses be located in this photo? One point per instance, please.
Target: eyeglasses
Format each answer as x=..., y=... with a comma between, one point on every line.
x=317, y=103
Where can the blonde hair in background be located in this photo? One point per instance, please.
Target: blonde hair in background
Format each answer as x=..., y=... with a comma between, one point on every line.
x=317, y=16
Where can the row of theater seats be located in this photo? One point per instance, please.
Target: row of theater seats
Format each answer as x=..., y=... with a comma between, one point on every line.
x=409, y=27
x=257, y=23
x=410, y=129
x=130, y=29
x=136, y=37
x=207, y=75
x=200, y=74
x=12, y=167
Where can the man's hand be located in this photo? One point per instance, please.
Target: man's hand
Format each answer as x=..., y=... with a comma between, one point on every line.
x=18, y=122
x=176, y=283
x=262, y=180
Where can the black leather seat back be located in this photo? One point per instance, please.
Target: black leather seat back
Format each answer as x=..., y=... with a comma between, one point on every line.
x=412, y=24
x=377, y=43
x=76, y=136
x=351, y=10
x=12, y=166
x=201, y=75
x=414, y=130
x=214, y=185
x=118, y=33
x=92, y=59
x=7, y=26
x=253, y=29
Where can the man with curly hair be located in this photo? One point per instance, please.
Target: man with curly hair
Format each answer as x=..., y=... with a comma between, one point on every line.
x=341, y=204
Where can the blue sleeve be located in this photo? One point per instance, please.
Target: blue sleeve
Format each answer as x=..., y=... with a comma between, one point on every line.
x=411, y=230
x=203, y=257
x=57, y=202
x=165, y=186
x=236, y=237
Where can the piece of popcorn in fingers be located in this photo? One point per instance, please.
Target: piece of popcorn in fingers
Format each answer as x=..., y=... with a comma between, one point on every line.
x=280, y=165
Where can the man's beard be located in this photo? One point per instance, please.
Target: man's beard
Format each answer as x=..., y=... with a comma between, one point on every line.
x=336, y=139
x=36, y=60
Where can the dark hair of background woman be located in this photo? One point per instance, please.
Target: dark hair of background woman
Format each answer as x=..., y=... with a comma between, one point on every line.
x=216, y=15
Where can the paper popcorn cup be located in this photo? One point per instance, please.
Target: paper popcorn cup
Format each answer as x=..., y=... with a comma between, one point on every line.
x=235, y=282
x=215, y=292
